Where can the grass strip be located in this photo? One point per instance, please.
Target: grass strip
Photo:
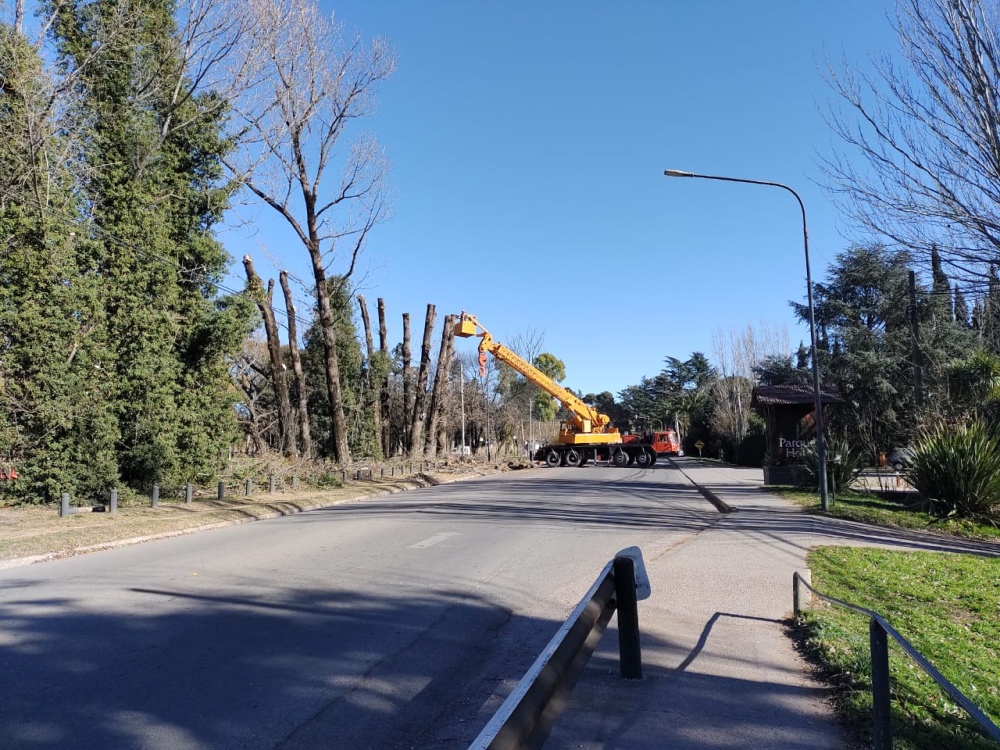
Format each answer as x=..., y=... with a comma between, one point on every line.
x=880, y=511
x=946, y=605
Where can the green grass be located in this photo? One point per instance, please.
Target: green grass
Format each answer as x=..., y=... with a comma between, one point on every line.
x=947, y=606
x=868, y=508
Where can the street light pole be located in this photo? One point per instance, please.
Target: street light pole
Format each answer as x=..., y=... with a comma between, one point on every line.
x=817, y=397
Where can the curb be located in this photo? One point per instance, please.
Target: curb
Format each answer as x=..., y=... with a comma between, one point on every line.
x=720, y=505
x=418, y=481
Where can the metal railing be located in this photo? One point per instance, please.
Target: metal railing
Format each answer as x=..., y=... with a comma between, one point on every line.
x=878, y=628
x=530, y=711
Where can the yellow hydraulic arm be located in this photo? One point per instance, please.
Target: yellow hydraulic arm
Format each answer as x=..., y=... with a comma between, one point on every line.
x=587, y=425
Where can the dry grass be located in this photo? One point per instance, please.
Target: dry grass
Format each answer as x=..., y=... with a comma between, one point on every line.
x=38, y=532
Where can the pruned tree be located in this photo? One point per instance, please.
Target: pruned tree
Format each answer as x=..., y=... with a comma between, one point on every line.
x=301, y=388
x=928, y=136
x=419, y=417
x=439, y=392
x=384, y=386
x=264, y=300
x=313, y=85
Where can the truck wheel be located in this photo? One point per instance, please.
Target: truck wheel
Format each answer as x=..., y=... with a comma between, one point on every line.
x=574, y=458
x=642, y=459
x=619, y=458
x=552, y=458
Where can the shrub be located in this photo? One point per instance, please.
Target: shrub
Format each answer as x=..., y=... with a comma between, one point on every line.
x=844, y=464
x=956, y=469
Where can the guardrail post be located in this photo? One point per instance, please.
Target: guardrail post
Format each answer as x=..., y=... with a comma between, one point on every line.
x=881, y=701
x=188, y=493
x=628, y=619
x=113, y=502
x=154, y=498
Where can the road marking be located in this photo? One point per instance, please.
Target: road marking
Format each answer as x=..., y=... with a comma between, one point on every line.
x=432, y=540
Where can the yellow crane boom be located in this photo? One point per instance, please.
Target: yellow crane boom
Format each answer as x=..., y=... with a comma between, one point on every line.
x=587, y=425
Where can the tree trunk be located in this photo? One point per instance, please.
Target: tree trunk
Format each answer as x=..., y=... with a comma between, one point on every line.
x=383, y=345
x=440, y=386
x=372, y=394
x=407, y=385
x=263, y=300
x=420, y=389
x=338, y=421
x=300, y=378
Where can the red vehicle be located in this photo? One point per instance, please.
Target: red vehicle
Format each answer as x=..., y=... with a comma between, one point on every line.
x=664, y=443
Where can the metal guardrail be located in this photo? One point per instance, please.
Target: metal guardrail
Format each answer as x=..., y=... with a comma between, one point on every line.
x=525, y=719
x=878, y=628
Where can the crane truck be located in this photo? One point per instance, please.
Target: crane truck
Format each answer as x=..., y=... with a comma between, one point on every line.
x=587, y=436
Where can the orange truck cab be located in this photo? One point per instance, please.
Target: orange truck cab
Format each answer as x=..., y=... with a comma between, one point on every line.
x=664, y=443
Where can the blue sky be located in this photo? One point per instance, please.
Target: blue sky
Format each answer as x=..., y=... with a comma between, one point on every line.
x=528, y=142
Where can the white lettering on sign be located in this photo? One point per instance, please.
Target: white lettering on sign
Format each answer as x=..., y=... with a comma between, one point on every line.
x=793, y=448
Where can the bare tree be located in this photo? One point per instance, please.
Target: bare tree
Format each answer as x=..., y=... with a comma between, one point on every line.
x=736, y=356
x=928, y=134
x=313, y=86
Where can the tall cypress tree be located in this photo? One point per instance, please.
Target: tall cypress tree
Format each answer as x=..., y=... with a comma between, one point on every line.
x=54, y=422
x=152, y=154
x=961, y=308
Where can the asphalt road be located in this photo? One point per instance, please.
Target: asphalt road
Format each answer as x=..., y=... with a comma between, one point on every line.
x=399, y=622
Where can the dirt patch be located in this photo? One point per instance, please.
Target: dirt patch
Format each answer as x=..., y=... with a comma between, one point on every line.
x=34, y=533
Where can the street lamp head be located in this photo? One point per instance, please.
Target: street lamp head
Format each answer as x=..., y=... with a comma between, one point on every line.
x=677, y=173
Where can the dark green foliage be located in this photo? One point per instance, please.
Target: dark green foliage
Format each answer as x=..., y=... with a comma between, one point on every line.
x=844, y=464
x=54, y=421
x=117, y=347
x=956, y=469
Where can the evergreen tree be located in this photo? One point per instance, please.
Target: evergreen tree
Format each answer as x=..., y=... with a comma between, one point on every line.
x=940, y=306
x=961, y=308
x=54, y=423
x=153, y=171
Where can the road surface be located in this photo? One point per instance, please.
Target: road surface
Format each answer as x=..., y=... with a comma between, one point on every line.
x=397, y=622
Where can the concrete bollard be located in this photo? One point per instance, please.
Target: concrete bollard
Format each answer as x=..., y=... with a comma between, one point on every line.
x=155, y=499
x=222, y=490
x=295, y=482
x=249, y=487
x=113, y=502
x=64, y=509
x=270, y=484
x=188, y=493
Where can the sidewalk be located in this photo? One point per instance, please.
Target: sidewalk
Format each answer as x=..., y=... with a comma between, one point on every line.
x=719, y=670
